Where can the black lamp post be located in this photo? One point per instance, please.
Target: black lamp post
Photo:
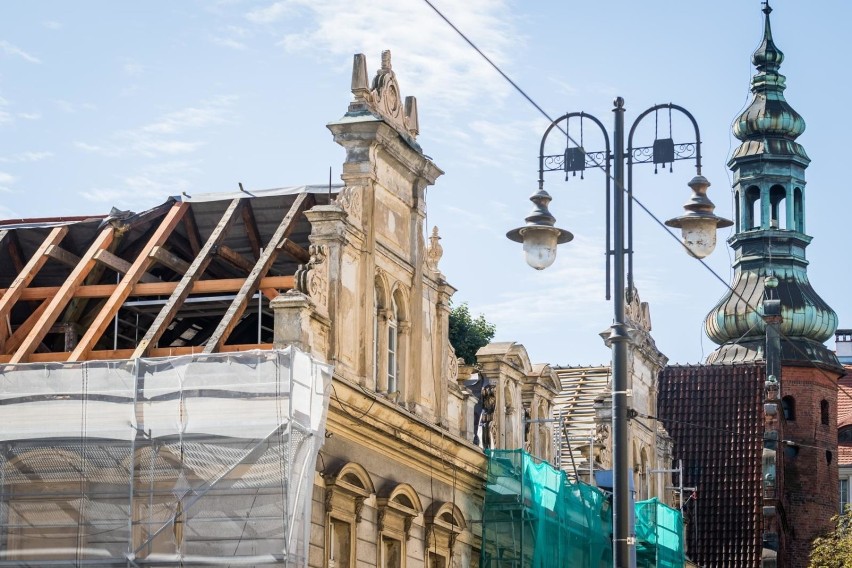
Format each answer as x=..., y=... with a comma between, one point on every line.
x=540, y=237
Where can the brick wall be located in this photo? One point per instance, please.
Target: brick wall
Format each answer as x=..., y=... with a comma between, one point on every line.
x=811, y=495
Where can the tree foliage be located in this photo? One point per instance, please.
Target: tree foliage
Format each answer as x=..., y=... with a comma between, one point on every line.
x=834, y=549
x=468, y=334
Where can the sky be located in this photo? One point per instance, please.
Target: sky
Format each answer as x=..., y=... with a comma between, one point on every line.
x=118, y=104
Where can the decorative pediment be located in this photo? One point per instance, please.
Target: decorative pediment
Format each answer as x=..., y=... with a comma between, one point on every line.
x=382, y=97
x=398, y=509
x=346, y=491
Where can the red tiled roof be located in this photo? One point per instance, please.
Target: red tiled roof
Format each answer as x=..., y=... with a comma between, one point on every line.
x=844, y=399
x=714, y=414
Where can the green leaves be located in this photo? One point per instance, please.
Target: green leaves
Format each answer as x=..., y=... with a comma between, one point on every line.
x=468, y=334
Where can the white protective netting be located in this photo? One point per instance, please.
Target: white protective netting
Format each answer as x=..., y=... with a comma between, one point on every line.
x=199, y=460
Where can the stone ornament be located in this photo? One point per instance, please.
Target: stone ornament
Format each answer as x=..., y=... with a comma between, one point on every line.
x=383, y=97
x=312, y=278
x=434, y=252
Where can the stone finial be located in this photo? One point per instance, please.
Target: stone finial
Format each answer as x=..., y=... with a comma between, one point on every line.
x=382, y=97
x=360, y=82
x=411, y=115
x=434, y=252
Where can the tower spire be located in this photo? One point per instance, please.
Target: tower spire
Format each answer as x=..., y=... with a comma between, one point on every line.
x=770, y=241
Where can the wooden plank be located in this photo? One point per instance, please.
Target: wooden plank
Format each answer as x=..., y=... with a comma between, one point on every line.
x=59, y=254
x=121, y=266
x=252, y=282
x=192, y=234
x=123, y=289
x=63, y=296
x=219, y=286
x=190, y=277
x=169, y=260
x=17, y=337
x=233, y=257
x=269, y=293
x=251, y=229
x=119, y=354
x=14, y=248
x=25, y=276
x=295, y=250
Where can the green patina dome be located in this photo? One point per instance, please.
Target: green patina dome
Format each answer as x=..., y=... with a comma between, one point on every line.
x=769, y=114
x=770, y=240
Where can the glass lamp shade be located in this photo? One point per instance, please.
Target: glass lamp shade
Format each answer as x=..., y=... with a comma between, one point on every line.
x=699, y=235
x=540, y=245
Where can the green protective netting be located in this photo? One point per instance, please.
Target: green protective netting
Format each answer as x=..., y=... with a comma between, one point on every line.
x=659, y=535
x=534, y=516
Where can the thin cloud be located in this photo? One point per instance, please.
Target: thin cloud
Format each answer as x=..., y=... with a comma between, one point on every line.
x=26, y=157
x=15, y=51
x=6, y=180
x=52, y=25
x=29, y=115
x=166, y=136
x=148, y=184
x=439, y=66
x=269, y=14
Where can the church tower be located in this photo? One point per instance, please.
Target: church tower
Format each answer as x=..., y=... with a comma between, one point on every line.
x=755, y=426
x=770, y=239
x=800, y=439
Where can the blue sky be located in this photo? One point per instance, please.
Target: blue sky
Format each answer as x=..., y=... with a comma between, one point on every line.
x=121, y=104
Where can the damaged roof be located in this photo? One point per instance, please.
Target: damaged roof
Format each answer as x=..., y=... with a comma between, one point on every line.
x=193, y=273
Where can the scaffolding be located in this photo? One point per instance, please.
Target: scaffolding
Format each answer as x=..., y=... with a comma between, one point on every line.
x=535, y=516
x=197, y=460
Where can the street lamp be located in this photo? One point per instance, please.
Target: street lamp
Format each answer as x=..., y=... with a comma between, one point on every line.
x=540, y=237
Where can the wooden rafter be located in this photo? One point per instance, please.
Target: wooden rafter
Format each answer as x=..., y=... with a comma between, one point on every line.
x=24, y=329
x=295, y=250
x=192, y=234
x=251, y=229
x=253, y=281
x=122, y=291
x=190, y=276
x=217, y=286
x=63, y=296
x=121, y=266
x=25, y=276
x=169, y=260
x=228, y=254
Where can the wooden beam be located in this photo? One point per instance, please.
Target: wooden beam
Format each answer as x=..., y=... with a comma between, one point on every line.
x=233, y=257
x=14, y=248
x=251, y=229
x=218, y=286
x=63, y=296
x=121, y=266
x=169, y=260
x=23, y=330
x=25, y=276
x=123, y=289
x=190, y=276
x=253, y=281
x=295, y=250
x=63, y=256
x=192, y=234
x=118, y=354
x=78, y=306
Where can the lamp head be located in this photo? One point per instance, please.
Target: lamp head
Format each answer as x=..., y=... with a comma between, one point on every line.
x=698, y=224
x=539, y=236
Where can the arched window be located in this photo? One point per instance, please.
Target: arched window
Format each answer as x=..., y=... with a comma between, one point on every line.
x=798, y=210
x=738, y=216
x=397, y=343
x=845, y=434
x=788, y=405
x=393, y=349
x=778, y=207
x=751, y=217
x=823, y=412
x=381, y=302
